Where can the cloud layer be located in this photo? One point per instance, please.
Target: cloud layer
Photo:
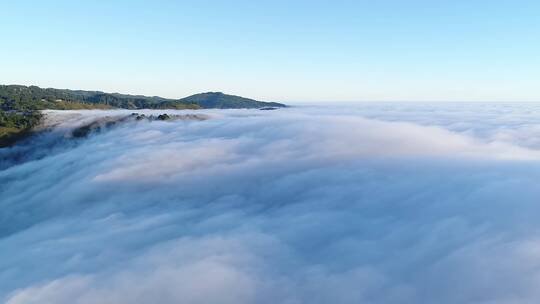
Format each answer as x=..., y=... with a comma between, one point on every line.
x=374, y=203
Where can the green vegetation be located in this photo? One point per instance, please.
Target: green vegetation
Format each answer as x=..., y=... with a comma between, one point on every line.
x=16, y=124
x=20, y=105
x=35, y=98
x=224, y=101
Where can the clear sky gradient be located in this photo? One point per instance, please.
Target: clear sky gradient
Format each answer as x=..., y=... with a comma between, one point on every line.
x=278, y=50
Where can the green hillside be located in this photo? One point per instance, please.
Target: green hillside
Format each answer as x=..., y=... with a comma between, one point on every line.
x=224, y=101
x=20, y=105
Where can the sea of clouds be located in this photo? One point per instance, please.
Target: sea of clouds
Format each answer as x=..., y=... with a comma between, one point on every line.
x=372, y=203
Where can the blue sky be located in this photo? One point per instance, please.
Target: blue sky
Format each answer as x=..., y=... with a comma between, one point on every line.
x=278, y=50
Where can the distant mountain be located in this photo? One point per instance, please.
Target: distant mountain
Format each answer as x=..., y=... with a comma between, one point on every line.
x=224, y=101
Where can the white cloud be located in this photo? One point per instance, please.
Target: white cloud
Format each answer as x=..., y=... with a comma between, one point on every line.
x=372, y=204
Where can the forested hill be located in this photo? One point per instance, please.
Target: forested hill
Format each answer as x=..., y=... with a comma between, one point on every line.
x=20, y=105
x=16, y=97
x=224, y=101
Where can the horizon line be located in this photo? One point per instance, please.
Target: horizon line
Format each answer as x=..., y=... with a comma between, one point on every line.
x=303, y=102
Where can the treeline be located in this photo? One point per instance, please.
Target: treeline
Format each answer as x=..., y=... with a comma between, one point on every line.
x=35, y=98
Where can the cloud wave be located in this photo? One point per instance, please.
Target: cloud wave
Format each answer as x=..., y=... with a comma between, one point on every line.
x=378, y=203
